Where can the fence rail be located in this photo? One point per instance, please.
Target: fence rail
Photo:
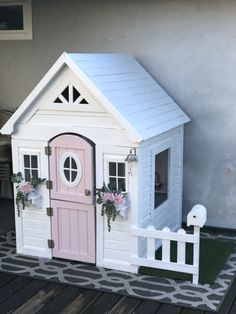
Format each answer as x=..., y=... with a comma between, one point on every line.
x=197, y=218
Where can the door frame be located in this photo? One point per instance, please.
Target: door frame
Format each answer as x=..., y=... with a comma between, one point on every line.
x=93, y=145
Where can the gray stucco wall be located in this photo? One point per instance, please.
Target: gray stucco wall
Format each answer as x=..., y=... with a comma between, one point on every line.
x=188, y=46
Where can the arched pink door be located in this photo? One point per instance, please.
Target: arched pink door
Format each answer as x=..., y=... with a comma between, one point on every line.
x=72, y=198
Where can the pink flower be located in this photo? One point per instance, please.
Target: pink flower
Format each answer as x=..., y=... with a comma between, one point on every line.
x=119, y=199
x=25, y=187
x=108, y=196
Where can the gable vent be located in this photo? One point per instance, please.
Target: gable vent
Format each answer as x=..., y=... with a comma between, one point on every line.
x=70, y=95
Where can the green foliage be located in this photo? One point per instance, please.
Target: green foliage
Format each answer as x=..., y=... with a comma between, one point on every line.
x=108, y=207
x=22, y=194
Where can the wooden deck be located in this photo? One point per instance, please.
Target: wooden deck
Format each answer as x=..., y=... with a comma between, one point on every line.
x=24, y=295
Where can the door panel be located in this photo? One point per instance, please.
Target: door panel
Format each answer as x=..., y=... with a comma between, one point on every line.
x=72, y=198
x=73, y=231
x=80, y=152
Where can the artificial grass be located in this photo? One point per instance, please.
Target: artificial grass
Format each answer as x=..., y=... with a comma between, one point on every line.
x=213, y=256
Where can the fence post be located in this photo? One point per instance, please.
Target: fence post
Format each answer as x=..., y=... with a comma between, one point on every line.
x=181, y=248
x=196, y=251
x=166, y=247
x=196, y=218
x=151, y=245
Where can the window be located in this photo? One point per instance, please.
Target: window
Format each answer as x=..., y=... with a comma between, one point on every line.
x=70, y=169
x=161, y=180
x=15, y=19
x=117, y=176
x=70, y=95
x=30, y=166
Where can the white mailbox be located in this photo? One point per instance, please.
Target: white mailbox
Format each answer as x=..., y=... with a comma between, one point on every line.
x=197, y=216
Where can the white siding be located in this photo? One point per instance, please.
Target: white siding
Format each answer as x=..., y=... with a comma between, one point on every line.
x=33, y=226
x=117, y=243
x=169, y=213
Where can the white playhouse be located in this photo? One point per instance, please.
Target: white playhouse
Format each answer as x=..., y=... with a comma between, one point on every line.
x=96, y=118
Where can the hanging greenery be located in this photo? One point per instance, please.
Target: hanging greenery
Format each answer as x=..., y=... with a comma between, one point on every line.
x=24, y=188
x=111, y=201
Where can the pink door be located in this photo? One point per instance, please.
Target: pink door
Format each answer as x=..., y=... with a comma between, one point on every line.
x=72, y=198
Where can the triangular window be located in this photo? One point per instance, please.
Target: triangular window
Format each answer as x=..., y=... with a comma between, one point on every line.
x=70, y=95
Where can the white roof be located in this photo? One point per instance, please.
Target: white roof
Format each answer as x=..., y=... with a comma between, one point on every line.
x=125, y=89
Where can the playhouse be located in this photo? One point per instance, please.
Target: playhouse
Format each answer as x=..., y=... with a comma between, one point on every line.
x=78, y=128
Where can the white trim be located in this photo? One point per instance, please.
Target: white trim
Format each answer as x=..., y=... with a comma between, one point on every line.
x=24, y=34
x=65, y=59
x=29, y=151
x=79, y=170
x=115, y=159
x=168, y=144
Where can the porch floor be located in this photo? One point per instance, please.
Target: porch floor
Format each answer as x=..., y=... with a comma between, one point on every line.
x=27, y=295
x=100, y=280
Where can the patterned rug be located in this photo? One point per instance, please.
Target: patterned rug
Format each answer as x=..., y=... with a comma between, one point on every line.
x=202, y=296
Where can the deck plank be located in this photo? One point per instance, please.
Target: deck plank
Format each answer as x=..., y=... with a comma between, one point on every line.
x=37, y=301
x=15, y=301
x=13, y=287
x=104, y=303
x=233, y=307
x=192, y=311
x=149, y=307
x=5, y=278
x=61, y=300
x=170, y=309
x=125, y=305
x=81, y=303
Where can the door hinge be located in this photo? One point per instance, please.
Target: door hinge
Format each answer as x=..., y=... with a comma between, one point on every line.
x=49, y=184
x=51, y=244
x=48, y=150
x=49, y=211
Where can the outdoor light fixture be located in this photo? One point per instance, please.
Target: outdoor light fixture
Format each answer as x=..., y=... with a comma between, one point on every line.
x=131, y=157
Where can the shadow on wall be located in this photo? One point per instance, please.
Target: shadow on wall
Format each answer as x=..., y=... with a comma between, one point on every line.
x=7, y=221
x=5, y=157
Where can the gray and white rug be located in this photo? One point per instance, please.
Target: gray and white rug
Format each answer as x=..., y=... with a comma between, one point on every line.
x=202, y=296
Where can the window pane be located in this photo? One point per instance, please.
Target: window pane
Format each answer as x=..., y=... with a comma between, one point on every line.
x=35, y=173
x=121, y=169
x=11, y=17
x=112, y=168
x=67, y=175
x=65, y=93
x=67, y=163
x=58, y=101
x=121, y=184
x=27, y=174
x=161, y=177
x=112, y=182
x=73, y=163
x=73, y=175
x=34, y=161
x=76, y=94
x=26, y=161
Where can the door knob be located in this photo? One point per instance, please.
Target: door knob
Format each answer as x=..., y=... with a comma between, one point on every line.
x=87, y=192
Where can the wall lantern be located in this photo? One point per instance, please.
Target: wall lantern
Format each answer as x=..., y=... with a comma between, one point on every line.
x=131, y=158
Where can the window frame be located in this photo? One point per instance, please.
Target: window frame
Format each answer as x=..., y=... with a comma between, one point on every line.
x=156, y=151
x=26, y=32
x=35, y=152
x=71, y=184
x=116, y=159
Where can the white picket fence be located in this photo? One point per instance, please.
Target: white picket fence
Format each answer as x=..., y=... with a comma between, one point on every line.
x=196, y=218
